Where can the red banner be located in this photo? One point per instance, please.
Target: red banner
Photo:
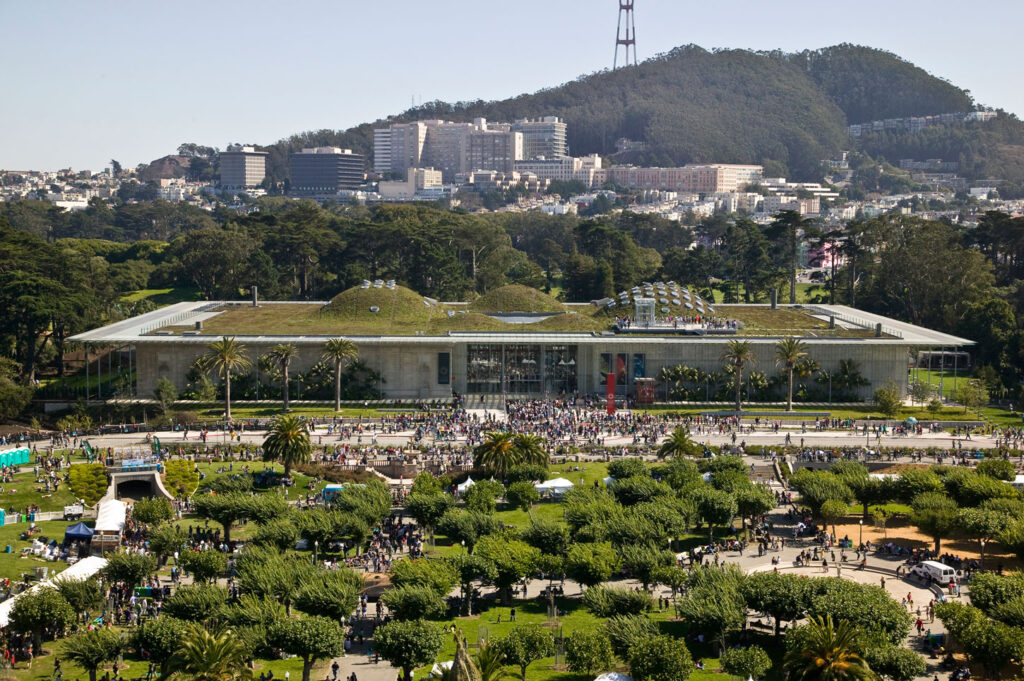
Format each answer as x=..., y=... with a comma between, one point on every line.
x=611, y=392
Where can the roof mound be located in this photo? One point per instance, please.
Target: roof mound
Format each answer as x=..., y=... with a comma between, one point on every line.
x=515, y=298
x=397, y=304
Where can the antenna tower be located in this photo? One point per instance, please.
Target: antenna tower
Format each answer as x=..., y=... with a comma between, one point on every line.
x=625, y=11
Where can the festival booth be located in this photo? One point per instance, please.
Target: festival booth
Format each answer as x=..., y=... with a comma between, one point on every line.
x=110, y=521
x=331, y=491
x=554, y=488
x=78, y=532
x=464, y=486
x=80, y=571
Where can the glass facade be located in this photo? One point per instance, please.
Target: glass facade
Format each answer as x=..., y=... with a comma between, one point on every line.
x=520, y=369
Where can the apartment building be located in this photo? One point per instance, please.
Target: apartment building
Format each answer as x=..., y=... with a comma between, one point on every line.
x=324, y=171
x=704, y=179
x=567, y=168
x=242, y=168
x=420, y=181
x=492, y=150
x=543, y=137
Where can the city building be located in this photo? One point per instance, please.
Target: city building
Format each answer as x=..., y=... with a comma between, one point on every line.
x=421, y=182
x=324, y=171
x=702, y=178
x=492, y=150
x=563, y=169
x=242, y=168
x=424, y=349
x=543, y=138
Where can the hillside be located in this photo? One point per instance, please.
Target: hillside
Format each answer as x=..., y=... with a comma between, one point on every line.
x=693, y=105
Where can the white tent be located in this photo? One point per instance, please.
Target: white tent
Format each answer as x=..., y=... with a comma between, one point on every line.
x=82, y=570
x=556, y=487
x=608, y=481
x=614, y=676
x=111, y=516
x=466, y=485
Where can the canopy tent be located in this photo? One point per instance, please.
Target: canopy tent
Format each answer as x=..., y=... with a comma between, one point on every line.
x=78, y=531
x=80, y=571
x=466, y=485
x=111, y=516
x=609, y=481
x=614, y=676
x=556, y=487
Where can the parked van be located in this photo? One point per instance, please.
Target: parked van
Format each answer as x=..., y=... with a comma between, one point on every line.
x=934, y=571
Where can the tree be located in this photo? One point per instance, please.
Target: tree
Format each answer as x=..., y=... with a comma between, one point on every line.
x=470, y=568
x=152, y=511
x=38, y=610
x=869, y=608
x=311, y=638
x=679, y=443
x=896, y=663
x=626, y=632
x=935, y=515
x=783, y=596
x=1000, y=469
x=548, y=536
x=513, y=560
x=491, y=664
x=971, y=394
x=436, y=575
x=888, y=399
x=467, y=526
x=83, y=595
x=287, y=442
x=205, y=566
x=746, y=663
x=715, y=507
x=591, y=564
x=588, y=652
x=128, y=568
x=165, y=540
x=225, y=509
x=738, y=354
x=827, y=652
x=414, y=603
x=427, y=509
x=408, y=645
x=88, y=481
x=200, y=603
x=752, y=502
x=339, y=351
x=166, y=395
x=331, y=593
x=227, y=356
x=660, y=658
x=982, y=524
x=281, y=534
x=91, y=649
x=203, y=656
x=161, y=637
x=525, y=644
x=283, y=355
x=522, y=495
x=788, y=352
x=642, y=562
x=482, y=497
x=832, y=511
x=608, y=601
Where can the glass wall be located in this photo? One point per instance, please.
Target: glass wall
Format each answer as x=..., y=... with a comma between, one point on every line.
x=520, y=369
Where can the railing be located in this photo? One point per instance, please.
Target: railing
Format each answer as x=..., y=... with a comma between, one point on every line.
x=863, y=323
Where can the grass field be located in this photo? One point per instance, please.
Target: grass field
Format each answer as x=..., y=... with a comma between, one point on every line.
x=215, y=412
x=163, y=296
x=752, y=411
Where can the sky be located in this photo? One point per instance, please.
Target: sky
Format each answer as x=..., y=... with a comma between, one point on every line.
x=85, y=82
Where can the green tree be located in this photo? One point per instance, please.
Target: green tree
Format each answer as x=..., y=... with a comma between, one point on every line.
x=467, y=527
x=203, y=656
x=896, y=663
x=788, y=352
x=608, y=601
x=524, y=645
x=832, y=511
x=522, y=495
x=482, y=497
x=161, y=637
x=165, y=540
x=746, y=663
x=38, y=610
x=339, y=351
x=591, y=564
x=311, y=638
x=166, y=395
x=153, y=511
x=205, y=566
x=283, y=355
x=287, y=442
x=201, y=603
x=783, y=596
x=83, y=595
x=715, y=507
x=888, y=399
x=414, y=603
x=436, y=575
x=128, y=568
x=331, y=593
x=513, y=560
x=227, y=356
x=626, y=632
x=408, y=645
x=869, y=608
x=427, y=509
x=935, y=515
x=470, y=568
x=679, y=443
x=643, y=561
x=660, y=658
x=971, y=394
x=828, y=652
x=737, y=356
x=752, y=502
x=91, y=649
x=1000, y=469
x=588, y=652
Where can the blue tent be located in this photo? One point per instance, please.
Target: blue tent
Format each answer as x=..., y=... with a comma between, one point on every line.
x=78, y=531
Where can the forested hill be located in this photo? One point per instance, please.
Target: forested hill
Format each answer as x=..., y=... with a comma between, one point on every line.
x=692, y=105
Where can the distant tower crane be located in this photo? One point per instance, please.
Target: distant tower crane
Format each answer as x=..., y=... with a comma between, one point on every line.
x=625, y=11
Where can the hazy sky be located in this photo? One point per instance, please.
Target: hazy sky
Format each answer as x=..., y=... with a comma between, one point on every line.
x=87, y=81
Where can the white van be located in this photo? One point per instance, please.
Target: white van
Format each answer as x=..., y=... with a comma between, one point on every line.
x=934, y=571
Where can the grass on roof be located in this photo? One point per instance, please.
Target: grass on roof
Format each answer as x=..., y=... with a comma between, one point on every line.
x=516, y=298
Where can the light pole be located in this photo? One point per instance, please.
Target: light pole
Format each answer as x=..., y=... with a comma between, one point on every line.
x=982, y=554
x=316, y=548
x=860, y=533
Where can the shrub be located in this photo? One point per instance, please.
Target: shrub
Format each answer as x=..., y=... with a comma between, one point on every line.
x=626, y=632
x=180, y=478
x=88, y=481
x=522, y=495
x=588, y=652
x=752, y=661
x=661, y=658
x=604, y=601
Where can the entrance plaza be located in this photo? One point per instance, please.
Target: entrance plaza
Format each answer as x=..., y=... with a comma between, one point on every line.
x=516, y=341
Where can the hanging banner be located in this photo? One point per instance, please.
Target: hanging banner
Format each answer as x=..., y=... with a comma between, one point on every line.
x=610, y=392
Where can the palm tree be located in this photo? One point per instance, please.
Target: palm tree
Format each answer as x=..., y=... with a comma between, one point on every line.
x=283, y=354
x=226, y=356
x=339, y=351
x=531, y=450
x=491, y=663
x=788, y=352
x=207, y=657
x=737, y=355
x=498, y=452
x=828, y=653
x=287, y=442
x=91, y=649
x=679, y=443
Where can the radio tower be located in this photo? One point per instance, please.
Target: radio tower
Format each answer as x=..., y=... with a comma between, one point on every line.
x=625, y=8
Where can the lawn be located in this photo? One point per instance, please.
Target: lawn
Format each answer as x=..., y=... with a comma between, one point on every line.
x=753, y=410
x=241, y=411
x=24, y=491
x=12, y=565
x=163, y=296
